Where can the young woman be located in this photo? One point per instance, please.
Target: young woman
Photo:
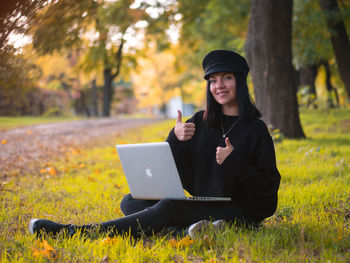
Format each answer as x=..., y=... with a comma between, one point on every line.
x=224, y=151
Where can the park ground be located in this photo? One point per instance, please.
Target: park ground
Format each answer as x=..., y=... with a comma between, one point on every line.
x=84, y=183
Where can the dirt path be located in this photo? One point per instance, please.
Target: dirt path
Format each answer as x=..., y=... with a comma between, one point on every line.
x=25, y=149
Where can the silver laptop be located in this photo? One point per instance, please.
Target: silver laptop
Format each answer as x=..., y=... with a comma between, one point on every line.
x=151, y=172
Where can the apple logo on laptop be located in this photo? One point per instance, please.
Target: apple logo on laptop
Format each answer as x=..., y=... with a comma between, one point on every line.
x=149, y=172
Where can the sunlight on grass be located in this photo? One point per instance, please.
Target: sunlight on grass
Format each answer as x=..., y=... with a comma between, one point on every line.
x=16, y=122
x=311, y=223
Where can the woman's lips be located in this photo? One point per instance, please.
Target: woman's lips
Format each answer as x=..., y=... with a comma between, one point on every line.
x=221, y=93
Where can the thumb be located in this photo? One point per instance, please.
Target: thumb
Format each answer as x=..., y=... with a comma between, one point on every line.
x=179, y=116
x=228, y=143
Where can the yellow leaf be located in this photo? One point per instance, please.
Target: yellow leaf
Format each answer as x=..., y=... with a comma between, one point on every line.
x=44, y=249
x=47, y=246
x=173, y=242
x=91, y=179
x=82, y=165
x=29, y=132
x=42, y=171
x=184, y=242
x=52, y=171
x=4, y=141
x=109, y=241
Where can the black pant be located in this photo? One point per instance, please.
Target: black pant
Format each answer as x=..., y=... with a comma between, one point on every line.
x=150, y=216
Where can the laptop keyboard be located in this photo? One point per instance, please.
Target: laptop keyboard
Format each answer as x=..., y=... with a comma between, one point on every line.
x=201, y=198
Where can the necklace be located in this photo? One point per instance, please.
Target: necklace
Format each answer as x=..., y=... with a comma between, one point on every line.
x=224, y=134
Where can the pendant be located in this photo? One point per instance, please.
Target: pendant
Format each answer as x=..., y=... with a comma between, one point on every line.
x=223, y=136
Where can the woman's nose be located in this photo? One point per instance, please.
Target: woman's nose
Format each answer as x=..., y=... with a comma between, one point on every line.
x=219, y=83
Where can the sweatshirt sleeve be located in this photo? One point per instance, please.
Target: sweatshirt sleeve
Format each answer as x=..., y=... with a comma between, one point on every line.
x=261, y=177
x=181, y=151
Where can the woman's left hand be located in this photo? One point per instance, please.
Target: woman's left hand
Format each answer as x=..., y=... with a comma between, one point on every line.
x=222, y=153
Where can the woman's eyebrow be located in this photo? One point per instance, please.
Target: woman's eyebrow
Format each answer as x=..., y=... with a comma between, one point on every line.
x=217, y=75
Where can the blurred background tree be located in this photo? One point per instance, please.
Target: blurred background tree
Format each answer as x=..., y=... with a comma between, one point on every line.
x=103, y=57
x=103, y=24
x=339, y=38
x=312, y=48
x=269, y=52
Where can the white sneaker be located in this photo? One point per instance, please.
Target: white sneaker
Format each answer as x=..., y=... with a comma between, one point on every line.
x=195, y=229
x=219, y=225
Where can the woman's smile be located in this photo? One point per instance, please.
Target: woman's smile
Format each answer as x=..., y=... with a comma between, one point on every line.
x=222, y=93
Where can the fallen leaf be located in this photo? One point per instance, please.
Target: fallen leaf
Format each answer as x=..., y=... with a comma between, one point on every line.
x=4, y=141
x=29, y=132
x=52, y=171
x=184, y=242
x=47, y=246
x=44, y=249
x=173, y=242
x=109, y=241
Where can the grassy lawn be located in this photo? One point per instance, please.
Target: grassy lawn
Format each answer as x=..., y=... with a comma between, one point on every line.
x=312, y=222
x=15, y=122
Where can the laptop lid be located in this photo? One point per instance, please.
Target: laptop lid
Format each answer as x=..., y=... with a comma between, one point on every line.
x=150, y=171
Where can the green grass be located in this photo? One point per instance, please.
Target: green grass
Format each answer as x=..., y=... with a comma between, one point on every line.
x=16, y=122
x=311, y=224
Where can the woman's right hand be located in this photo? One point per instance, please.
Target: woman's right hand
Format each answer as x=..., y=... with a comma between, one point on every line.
x=184, y=131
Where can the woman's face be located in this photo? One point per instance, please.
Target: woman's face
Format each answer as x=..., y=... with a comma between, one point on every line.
x=223, y=88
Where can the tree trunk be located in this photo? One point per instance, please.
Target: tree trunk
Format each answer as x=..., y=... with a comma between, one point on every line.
x=108, y=78
x=107, y=92
x=307, y=76
x=329, y=85
x=94, y=98
x=270, y=57
x=339, y=38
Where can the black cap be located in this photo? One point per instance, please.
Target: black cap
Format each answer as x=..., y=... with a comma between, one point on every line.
x=224, y=61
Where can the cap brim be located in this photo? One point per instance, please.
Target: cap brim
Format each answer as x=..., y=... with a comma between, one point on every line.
x=220, y=68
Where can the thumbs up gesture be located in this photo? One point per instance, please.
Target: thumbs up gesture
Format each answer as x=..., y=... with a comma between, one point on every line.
x=222, y=153
x=183, y=131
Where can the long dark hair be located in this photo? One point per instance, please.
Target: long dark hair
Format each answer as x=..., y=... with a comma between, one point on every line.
x=247, y=109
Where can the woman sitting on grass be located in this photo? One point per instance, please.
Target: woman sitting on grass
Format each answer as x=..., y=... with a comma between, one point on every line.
x=224, y=151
